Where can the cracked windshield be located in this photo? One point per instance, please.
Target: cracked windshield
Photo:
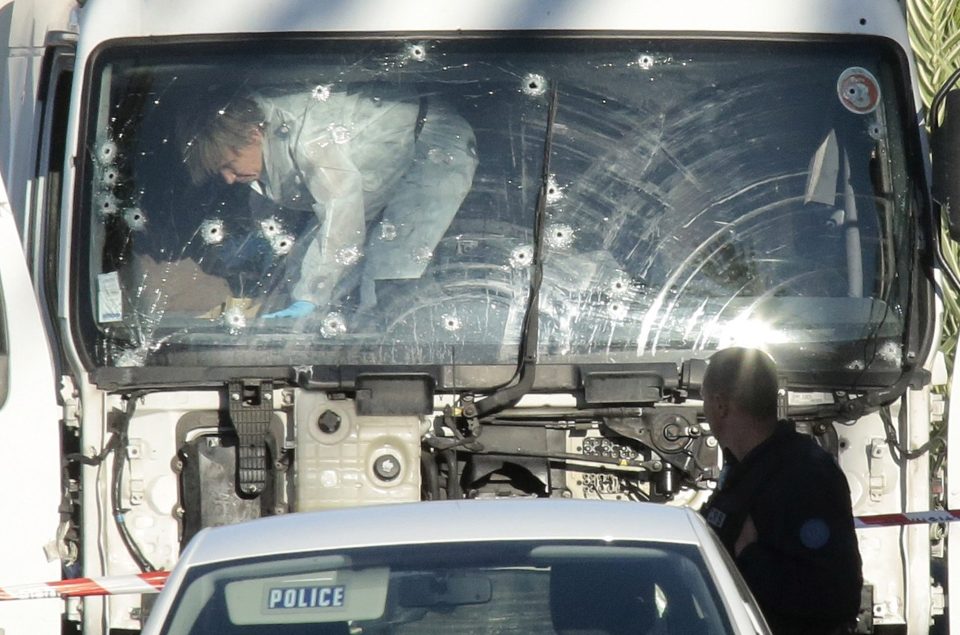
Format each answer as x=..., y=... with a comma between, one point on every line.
x=374, y=202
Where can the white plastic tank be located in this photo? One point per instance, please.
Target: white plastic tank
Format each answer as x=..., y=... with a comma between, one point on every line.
x=345, y=459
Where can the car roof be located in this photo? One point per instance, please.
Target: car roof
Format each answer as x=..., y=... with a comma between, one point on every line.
x=444, y=522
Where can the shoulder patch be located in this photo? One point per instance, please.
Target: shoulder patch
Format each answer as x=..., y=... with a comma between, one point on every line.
x=716, y=518
x=814, y=533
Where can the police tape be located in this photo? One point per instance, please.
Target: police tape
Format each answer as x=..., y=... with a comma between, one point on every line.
x=83, y=587
x=153, y=582
x=930, y=517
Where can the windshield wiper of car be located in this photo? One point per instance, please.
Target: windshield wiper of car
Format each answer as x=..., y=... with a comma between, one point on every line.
x=522, y=380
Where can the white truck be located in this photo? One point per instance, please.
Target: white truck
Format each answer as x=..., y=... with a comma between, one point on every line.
x=635, y=185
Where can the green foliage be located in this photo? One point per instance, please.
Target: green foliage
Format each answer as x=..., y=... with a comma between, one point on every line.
x=934, y=27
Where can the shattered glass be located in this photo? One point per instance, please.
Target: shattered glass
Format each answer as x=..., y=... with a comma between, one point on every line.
x=700, y=194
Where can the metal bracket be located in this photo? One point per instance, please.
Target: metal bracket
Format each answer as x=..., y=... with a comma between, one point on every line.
x=251, y=410
x=878, y=482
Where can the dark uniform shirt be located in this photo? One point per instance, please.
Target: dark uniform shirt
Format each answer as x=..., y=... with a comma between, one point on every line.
x=804, y=568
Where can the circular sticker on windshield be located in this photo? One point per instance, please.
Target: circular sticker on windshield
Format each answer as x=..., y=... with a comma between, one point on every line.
x=858, y=90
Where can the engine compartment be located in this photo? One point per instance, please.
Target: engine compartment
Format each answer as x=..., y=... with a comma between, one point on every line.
x=323, y=451
x=168, y=463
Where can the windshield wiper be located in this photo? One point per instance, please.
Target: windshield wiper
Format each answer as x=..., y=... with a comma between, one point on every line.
x=522, y=380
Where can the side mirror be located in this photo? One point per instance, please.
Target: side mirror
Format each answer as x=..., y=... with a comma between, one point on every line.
x=945, y=144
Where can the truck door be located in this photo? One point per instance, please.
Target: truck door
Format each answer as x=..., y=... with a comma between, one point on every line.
x=29, y=442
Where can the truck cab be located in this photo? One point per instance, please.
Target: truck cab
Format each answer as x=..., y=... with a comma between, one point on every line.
x=483, y=252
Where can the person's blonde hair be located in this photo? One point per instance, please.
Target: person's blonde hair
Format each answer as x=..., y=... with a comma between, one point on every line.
x=212, y=131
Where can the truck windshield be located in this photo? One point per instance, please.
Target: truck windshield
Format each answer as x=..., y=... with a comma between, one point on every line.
x=372, y=201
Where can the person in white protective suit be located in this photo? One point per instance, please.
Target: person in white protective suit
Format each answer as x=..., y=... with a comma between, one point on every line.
x=351, y=158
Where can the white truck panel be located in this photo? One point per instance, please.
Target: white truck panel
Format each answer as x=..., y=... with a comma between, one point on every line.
x=30, y=443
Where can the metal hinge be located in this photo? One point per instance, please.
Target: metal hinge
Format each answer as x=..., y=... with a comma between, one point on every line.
x=938, y=600
x=71, y=402
x=879, y=453
x=938, y=407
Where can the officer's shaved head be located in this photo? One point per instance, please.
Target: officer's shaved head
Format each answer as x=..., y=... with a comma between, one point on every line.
x=746, y=377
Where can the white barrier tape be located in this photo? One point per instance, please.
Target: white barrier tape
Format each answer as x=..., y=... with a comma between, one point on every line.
x=80, y=587
x=907, y=518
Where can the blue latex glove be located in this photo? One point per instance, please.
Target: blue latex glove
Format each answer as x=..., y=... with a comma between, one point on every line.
x=298, y=309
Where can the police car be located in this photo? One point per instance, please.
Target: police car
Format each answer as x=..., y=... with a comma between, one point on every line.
x=479, y=566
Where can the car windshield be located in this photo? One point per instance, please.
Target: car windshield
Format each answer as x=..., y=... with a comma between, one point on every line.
x=493, y=587
x=372, y=201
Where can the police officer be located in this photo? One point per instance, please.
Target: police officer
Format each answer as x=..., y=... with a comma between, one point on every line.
x=783, y=506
